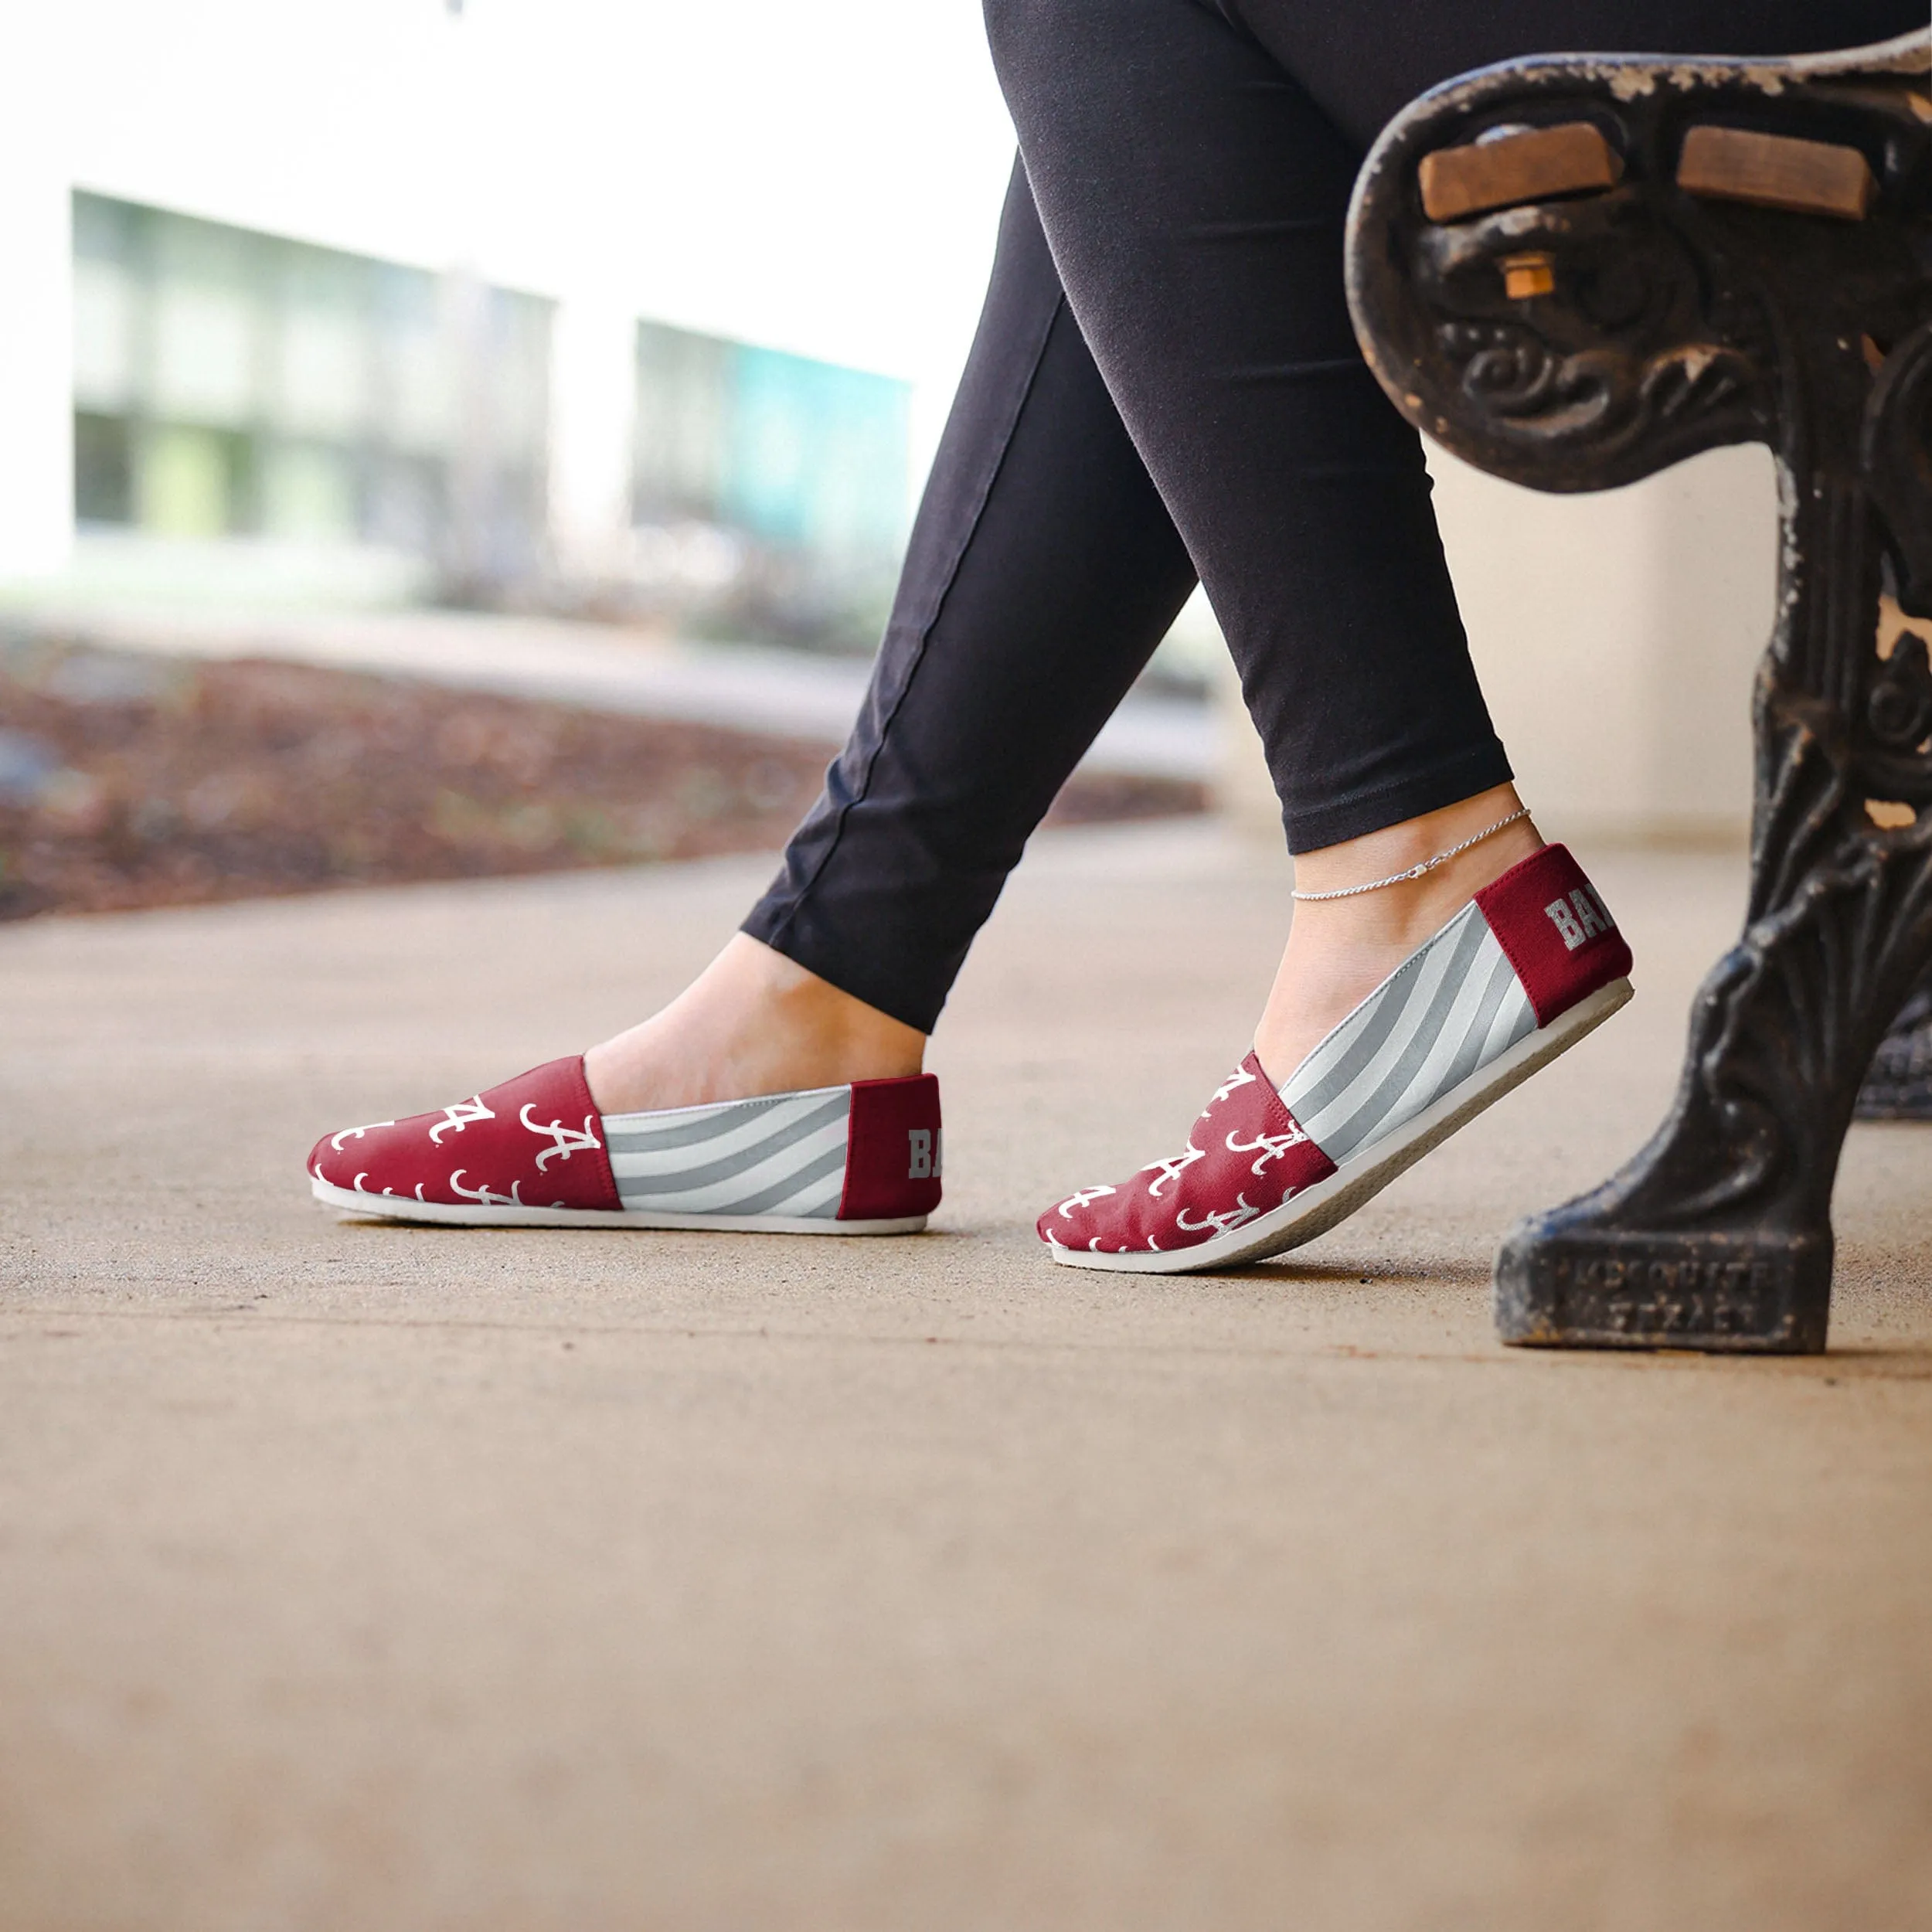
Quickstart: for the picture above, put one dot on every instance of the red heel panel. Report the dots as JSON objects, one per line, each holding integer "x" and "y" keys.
{"x": 892, "y": 1150}
{"x": 1555, "y": 929}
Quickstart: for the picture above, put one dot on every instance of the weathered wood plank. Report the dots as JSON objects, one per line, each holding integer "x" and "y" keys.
{"x": 1533, "y": 163}
{"x": 1775, "y": 170}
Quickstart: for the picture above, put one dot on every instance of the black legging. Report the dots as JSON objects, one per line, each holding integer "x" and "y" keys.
{"x": 1164, "y": 382}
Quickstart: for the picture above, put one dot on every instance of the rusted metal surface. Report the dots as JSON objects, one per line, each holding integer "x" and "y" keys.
{"x": 1667, "y": 323}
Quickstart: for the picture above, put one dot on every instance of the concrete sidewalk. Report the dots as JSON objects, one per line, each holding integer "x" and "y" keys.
{"x": 354, "y": 1576}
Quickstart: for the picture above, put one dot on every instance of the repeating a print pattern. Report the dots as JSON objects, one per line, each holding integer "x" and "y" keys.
{"x": 1452, "y": 1006}
{"x": 784, "y": 1155}
{"x": 1247, "y": 1154}
{"x": 1461, "y": 1021}
{"x": 532, "y": 1142}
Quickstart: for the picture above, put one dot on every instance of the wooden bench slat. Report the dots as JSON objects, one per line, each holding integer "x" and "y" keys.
{"x": 1777, "y": 171}
{"x": 1532, "y": 164}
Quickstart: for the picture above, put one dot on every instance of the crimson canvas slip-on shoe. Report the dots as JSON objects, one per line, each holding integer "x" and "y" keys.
{"x": 1533, "y": 964}
{"x": 535, "y": 1153}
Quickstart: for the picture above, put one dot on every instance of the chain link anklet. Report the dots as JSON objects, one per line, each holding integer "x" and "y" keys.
{"x": 1428, "y": 865}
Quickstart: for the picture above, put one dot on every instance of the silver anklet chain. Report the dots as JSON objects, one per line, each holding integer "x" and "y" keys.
{"x": 1428, "y": 865}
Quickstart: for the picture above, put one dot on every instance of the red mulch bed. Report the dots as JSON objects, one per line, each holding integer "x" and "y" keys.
{"x": 129, "y": 781}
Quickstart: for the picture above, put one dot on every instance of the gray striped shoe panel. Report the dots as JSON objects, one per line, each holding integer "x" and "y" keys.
{"x": 1451, "y": 1006}
{"x": 784, "y": 1153}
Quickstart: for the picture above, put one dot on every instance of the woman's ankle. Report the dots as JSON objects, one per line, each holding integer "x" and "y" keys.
{"x": 1340, "y": 950}
{"x": 752, "y": 1022}
{"x": 1493, "y": 827}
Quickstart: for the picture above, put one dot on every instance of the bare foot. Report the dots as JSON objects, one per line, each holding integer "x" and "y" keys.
{"x": 752, "y": 1022}
{"x": 1339, "y": 950}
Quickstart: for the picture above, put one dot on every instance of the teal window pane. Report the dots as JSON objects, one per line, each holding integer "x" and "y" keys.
{"x": 817, "y": 454}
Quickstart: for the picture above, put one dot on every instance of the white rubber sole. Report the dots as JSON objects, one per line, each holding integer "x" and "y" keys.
{"x": 395, "y": 1207}
{"x": 1316, "y": 1209}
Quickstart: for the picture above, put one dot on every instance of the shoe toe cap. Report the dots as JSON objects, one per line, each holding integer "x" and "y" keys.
{"x": 364, "y": 1159}
{"x": 534, "y": 1141}
{"x": 1075, "y": 1221}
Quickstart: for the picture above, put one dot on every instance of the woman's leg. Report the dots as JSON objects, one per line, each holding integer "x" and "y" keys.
{"x": 1193, "y": 186}
{"x": 1043, "y": 570}
{"x": 1197, "y": 193}
{"x": 1194, "y": 195}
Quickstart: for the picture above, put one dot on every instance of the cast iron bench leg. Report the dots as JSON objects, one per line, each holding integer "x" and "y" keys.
{"x": 1898, "y": 1084}
{"x": 1576, "y": 272}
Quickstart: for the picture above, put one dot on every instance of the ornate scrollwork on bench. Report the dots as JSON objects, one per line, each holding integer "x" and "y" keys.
{"x": 1574, "y": 272}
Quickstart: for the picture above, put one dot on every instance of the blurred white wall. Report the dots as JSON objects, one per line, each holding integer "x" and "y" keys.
{"x": 593, "y": 403}
{"x": 36, "y": 345}
{"x": 1616, "y": 635}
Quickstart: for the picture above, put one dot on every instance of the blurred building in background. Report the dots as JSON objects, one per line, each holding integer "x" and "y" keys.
{"x": 229, "y": 384}
{"x": 245, "y": 404}
{"x": 769, "y": 487}
{"x": 573, "y": 303}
